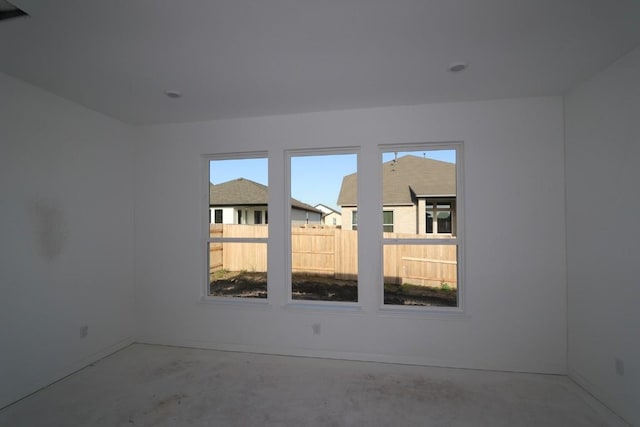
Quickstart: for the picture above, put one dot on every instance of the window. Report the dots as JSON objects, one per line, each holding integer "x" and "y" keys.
{"x": 440, "y": 216}
{"x": 421, "y": 244}
{"x": 387, "y": 221}
{"x": 217, "y": 216}
{"x": 323, "y": 259}
{"x": 237, "y": 252}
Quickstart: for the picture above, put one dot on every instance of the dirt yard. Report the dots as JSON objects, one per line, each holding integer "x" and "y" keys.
{"x": 321, "y": 288}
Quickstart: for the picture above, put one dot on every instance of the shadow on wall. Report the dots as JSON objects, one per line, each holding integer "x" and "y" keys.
{"x": 51, "y": 229}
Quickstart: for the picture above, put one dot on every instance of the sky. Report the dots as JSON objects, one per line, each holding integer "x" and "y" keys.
{"x": 314, "y": 179}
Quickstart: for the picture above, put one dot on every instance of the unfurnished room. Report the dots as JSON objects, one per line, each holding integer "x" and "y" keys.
{"x": 319, "y": 213}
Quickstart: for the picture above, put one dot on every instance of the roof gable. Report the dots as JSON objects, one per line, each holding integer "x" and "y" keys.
{"x": 244, "y": 192}
{"x": 405, "y": 179}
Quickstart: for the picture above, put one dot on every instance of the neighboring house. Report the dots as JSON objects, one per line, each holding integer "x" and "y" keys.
{"x": 418, "y": 195}
{"x": 242, "y": 201}
{"x": 330, "y": 216}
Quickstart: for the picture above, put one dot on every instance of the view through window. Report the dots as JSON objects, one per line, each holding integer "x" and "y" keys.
{"x": 420, "y": 233}
{"x": 238, "y": 230}
{"x": 324, "y": 253}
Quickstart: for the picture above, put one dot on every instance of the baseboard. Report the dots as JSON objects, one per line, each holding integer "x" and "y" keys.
{"x": 69, "y": 369}
{"x": 592, "y": 395}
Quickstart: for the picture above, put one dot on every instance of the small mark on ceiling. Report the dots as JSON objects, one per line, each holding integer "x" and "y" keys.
{"x": 173, "y": 94}
{"x": 457, "y": 67}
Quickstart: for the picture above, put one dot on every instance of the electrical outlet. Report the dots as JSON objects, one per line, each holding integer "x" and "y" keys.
{"x": 84, "y": 331}
{"x": 619, "y": 367}
{"x": 316, "y": 328}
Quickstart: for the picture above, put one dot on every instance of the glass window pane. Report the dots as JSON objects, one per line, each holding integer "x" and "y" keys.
{"x": 238, "y": 269}
{"x": 238, "y": 193}
{"x": 421, "y": 275}
{"x": 414, "y": 182}
{"x": 429, "y": 222}
{"x": 324, "y": 262}
{"x": 444, "y": 222}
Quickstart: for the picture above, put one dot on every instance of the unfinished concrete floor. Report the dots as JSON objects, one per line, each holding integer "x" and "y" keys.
{"x": 148, "y": 385}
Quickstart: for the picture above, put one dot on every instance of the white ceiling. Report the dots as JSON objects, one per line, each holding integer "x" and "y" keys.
{"x": 239, "y": 58}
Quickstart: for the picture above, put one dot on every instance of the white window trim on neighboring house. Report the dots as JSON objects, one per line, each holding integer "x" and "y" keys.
{"x": 435, "y": 206}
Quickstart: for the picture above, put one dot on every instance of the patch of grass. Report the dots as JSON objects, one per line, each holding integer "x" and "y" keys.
{"x": 445, "y": 287}
{"x": 219, "y": 273}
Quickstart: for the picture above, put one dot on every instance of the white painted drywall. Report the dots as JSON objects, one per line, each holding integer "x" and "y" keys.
{"x": 515, "y": 238}
{"x": 603, "y": 234}
{"x": 66, "y": 237}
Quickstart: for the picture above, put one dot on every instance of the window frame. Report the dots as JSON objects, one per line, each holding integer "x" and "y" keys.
{"x": 215, "y": 216}
{"x": 387, "y": 224}
{"x": 457, "y": 239}
{"x": 206, "y": 180}
{"x": 313, "y": 304}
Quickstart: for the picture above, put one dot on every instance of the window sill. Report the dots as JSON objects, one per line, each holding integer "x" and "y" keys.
{"x": 345, "y": 307}
{"x": 236, "y": 302}
{"x": 452, "y": 313}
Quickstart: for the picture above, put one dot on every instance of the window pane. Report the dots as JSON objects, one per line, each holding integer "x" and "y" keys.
{"x": 218, "y": 216}
{"x": 417, "y": 184}
{"x": 421, "y": 275}
{"x": 324, "y": 264}
{"x": 238, "y": 269}
{"x": 238, "y": 194}
{"x": 444, "y": 222}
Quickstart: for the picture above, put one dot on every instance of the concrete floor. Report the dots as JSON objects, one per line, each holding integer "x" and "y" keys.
{"x": 148, "y": 385}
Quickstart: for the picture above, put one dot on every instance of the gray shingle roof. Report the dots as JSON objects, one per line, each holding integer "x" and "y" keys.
{"x": 244, "y": 192}
{"x": 405, "y": 179}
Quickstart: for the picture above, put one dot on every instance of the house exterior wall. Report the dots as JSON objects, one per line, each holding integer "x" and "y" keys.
{"x": 333, "y": 218}
{"x": 347, "y": 216}
{"x": 230, "y": 214}
{"x": 404, "y": 218}
{"x": 227, "y": 215}
{"x": 301, "y": 217}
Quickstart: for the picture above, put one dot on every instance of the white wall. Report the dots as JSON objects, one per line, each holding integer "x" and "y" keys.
{"x": 603, "y": 234}
{"x": 66, "y": 237}
{"x": 515, "y": 315}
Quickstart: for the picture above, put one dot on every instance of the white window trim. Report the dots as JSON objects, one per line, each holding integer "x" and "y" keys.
{"x": 458, "y": 240}
{"x": 307, "y": 304}
{"x": 204, "y": 296}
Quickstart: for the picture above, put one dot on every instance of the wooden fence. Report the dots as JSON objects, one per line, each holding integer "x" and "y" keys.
{"x": 334, "y": 252}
